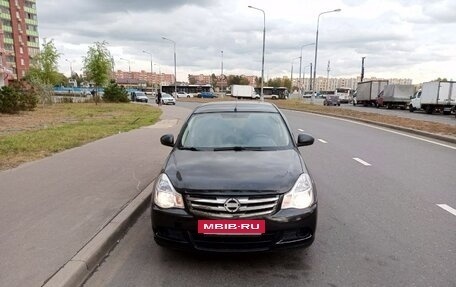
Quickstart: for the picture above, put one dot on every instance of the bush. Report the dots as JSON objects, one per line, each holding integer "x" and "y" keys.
{"x": 18, "y": 96}
{"x": 115, "y": 94}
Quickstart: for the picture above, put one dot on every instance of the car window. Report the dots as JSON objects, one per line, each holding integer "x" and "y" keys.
{"x": 236, "y": 129}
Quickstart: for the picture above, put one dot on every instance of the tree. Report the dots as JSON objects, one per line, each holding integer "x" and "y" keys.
{"x": 237, "y": 80}
{"x": 44, "y": 65}
{"x": 98, "y": 65}
{"x": 213, "y": 80}
{"x": 115, "y": 93}
{"x": 191, "y": 80}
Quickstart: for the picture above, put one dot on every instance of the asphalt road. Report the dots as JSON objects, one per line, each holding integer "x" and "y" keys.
{"x": 379, "y": 222}
{"x": 417, "y": 115}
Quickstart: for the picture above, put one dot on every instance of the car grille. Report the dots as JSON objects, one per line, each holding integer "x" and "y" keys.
{"x": 249, "y": 206}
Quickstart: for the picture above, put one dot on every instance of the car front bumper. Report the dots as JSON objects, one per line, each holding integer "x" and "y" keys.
{"x": 177, "y": 228}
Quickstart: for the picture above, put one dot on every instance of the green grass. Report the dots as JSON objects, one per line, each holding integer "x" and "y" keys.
{"x": 77, "y": 124}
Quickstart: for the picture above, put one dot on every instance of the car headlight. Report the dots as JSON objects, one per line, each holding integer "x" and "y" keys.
{"x": 301, "y": 195}
{"x": 165, "y": 194}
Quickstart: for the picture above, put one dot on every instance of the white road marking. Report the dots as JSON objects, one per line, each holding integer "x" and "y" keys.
{"x": 301, "y": 130}
{"x": 447, "y": 208}
{"x": 383, "y": 129}
{"x": 362, "y": 161}
{"x": 322, "y": 141}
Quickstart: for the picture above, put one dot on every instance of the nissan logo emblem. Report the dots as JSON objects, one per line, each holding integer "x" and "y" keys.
{"x": 232, "y": 205}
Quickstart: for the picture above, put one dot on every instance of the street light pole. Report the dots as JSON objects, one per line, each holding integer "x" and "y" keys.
{"x": 175, "y": 75}
{"x": 300, "y": 64}
{"x": 262, "y": 60}
{"x": 292, "y": 60}
{"x": 151, "y": 68}
{"x": 221, "y": 74}
{"x": 129, "y": 69}
{"x": 316, "y": 51}
{"x": 71, "y": 67}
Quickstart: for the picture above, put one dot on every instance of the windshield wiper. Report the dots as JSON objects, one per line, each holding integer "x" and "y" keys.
{"x": 189, "y": 148}
{"x": 240, "y": 148}
{"x": 235, "y": 148}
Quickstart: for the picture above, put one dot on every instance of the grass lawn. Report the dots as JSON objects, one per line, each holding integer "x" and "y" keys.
{"x": 32, "y": 135}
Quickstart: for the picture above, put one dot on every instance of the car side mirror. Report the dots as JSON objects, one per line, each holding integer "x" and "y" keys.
{"x": 305, "y": 139}
{"x": 167, "y": 140}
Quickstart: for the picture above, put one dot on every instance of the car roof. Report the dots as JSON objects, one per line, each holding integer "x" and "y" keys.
{"x": 236, "y": 107}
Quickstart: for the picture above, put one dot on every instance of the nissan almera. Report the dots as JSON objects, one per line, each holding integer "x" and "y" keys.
{"x": 234, "y": 181}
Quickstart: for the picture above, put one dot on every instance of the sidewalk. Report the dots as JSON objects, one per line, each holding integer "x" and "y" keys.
{"x": 49, "y": 209}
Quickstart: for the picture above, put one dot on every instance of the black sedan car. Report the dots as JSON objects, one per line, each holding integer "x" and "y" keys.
{"x": 234, "y": 181}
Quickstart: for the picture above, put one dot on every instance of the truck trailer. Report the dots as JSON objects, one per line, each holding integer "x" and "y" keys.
{"x": 395, "y": 96}
{"x": 436, "y": 95}
{"x": 367, "y": 92}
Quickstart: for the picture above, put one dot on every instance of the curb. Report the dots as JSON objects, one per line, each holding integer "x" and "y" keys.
{"x": 404, "y": 129}
{"x": 78, "y": 268}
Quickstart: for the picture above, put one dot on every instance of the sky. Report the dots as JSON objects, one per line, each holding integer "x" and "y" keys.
{"x": 413, "y": 39}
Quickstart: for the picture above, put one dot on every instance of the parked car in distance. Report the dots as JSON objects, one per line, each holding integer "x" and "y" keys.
{"x": 139, "y": 97}
{"x": 234, "y": 181}
{"x": 167, "y": 99}
{"x": 206, "y": 95}
{"x": 183, "y": 95}
{"x": 331, "y": 100}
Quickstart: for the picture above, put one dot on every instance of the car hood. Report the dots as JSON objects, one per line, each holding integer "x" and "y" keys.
{"x": 249, "y": 171}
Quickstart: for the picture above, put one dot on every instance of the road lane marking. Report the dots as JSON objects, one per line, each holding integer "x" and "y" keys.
{"x": 362, "y": 161}
{"x": 447, "y": 208}
{"x": 301, "y": 130}
{"x": 322, "y": 141}
{"x": 382, "y": 129}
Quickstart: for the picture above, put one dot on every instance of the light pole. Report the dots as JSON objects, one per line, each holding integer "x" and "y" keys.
{"x": 300, "y": 64}
{"x": 292, "y": 60}
{"x": 316, "y": 51}
{"x": 221, "y": 74}
{"x": 175, "y": 76}
{"x": 262, "y": 60}
{"x": 160, "y": 77}
{"x": 71, "y": 67}
{"x": 129, "y": 69}
{"x": 151, "y": 67}
{"x": 304, "y": 77}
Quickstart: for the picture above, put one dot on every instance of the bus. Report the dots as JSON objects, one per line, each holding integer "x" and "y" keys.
{"x": 345, "y": 95}
{"x": 273, "y": 92}
{"x": 192, "y": 90}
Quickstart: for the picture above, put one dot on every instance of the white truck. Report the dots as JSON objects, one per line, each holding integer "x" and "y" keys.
{"x": 367, "y": 92}
{"x": 395, "y": 96}
{"x": 436, "y": 95}
{"x": 243, "y": 91}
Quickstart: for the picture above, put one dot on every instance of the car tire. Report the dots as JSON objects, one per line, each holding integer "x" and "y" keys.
{"x": 411, "y": 109}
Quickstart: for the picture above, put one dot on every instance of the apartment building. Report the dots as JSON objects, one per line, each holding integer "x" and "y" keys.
{"x": 143, "y": 77}
{"x": 19, "y": 41}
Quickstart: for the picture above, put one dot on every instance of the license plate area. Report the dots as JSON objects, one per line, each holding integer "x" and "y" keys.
{"x": 231, "y": 227}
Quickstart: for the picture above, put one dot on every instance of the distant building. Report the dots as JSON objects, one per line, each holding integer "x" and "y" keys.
{"x": 19, "y": 41}
{"x": 143, "y": 78}
{"x": 325, "y": 84}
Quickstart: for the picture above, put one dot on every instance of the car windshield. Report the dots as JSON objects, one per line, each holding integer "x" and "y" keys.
{"x": 236, "y": 131}
{"x": 166, "y": 96}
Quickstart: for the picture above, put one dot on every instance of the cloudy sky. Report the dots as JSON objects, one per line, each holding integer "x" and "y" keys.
{"x": 399, "y": 38}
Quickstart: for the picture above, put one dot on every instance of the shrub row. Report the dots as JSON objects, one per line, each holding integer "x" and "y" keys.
{"x": 18, "y": 96}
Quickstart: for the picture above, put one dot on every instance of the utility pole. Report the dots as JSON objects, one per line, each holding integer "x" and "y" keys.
{"x": 327, "y": 75}
{"x": 362, "y": 68}
{"x": 310, "y": 79}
